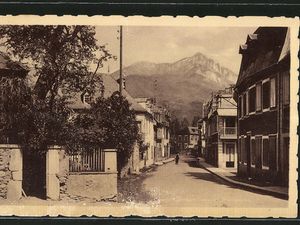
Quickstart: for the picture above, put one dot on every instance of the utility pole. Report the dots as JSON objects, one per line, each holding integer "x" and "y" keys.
{"x": 121, "y": 75}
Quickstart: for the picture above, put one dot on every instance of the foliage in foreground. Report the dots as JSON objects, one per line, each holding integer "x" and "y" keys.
{"x": 110, "y": 123}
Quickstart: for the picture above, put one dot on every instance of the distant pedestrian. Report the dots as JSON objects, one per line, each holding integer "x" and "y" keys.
{"x": 177, "y": 158}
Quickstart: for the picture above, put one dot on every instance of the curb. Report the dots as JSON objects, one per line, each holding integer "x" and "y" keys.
{"x": 248, "y": 187}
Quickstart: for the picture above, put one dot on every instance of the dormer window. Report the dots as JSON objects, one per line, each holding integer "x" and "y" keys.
{"x": 87, "y": 98}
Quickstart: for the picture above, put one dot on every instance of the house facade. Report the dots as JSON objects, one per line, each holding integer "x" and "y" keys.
{"x": 187, "y": 139}
{"x": 156, "y": 132}
{"x": 220, "y": 129}
{"x": 262, "y": 92}
{"x": 201, "y": 142}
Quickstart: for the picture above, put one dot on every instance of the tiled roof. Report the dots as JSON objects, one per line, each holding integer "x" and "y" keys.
{"x": 263, "y": 50}
{"x": 7, "y": 64}
{"x": 110, "y": 86}
{"x": 193, "y": 130}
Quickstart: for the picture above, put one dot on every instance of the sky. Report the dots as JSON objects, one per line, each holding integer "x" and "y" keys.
{"x": 169, "y": 44}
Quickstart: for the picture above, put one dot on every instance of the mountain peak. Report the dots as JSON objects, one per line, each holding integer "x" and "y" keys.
{"x": 182, "y": 85}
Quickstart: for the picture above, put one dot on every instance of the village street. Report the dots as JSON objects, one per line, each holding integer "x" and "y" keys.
{"x": 186, "y": 185}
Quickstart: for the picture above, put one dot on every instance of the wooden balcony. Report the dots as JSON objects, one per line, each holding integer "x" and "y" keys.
{"x": 228, "y": 133}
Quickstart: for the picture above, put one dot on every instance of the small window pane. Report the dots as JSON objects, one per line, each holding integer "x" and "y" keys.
{"x": 273, "y": 153}
{"x": 252, "y": 98}
{"x": 273, "y": 92}
{"x": 244, "y": 104}
{"x": 258, "y": 97}
{"x": 265, "y": 160}
{"x": 258, "y": 143}
{"x": 266, "y": 95}
{"x": 286, "y": 88}
{"x": 253, "y": 152}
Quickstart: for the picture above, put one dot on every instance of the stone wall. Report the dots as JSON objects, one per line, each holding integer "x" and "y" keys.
{"x": 90, "y": 186}
{"x": 5, "y": 173}
{"x": 10, "y": 172}
{"x": 63, "y": 174}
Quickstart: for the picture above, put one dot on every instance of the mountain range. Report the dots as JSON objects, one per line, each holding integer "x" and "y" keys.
{"x": 182, "y": 86}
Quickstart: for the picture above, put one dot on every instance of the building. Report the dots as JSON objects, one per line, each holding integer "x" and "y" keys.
{"x": 159, "y": 137}
{"x": 79, "y": 104}
{"x": 201, "y": 142}
{"x": 146, "y": 127}
{"x": 187, "y": 139}
{"x": 262, "y": 92}
{"x": 220, "y": 129}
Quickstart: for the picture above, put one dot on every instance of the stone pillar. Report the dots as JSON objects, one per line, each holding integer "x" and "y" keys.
{"x": 14, "y": 187}
{"x": 110, "y": 156}
{"x": 52, "y": 170}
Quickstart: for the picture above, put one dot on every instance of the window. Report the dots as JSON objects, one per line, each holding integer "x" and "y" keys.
{"x": 186, "y": 138}
{"x": 244, "y": 104}
{"x": 266, "y": 95}
{"x": 229, "y": 122}
{"x": 243, "y": 150}
{"x": 240, "y": 107}
{"x": 258, "y": 144}
{"x": 252, "y": 98}
{"x": 273, "y": 153}
{"x": 265, "y": 155}
{"x": 286, "y": 88}
{"x": 247, "y": 103}
{"x": 253, "y": 152}
{"x": 139, "y": 124}
{"x": 179, "y": 138}
{"x": 258, "y": 97}
{"x": 273, "y": 92}
{"x": 239, "y": 150}
{"x": 87, "y": 98}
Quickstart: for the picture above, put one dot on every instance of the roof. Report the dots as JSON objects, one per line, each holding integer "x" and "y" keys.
{"x": 227, "y": 112}
{"x": 263, "y": 50}
{"x": 6, "y": 64}
{"x": 110, "y": 86}
{"x": 193, "y": 130}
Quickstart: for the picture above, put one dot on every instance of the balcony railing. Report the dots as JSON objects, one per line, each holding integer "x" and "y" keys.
{"x": 228, "y": 132}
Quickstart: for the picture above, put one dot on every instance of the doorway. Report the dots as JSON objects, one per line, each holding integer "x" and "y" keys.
{"x": 229, "y": 154}
{"x": 34, "y": 174}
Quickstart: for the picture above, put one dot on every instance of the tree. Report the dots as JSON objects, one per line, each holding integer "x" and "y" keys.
{"x": 110, "y": 123}
{"x": 61, "y": 55}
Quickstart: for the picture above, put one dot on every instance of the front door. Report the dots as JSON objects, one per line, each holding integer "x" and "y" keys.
{"x": 229, "y": 151}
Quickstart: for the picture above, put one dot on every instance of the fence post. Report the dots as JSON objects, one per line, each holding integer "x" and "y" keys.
{"x": 110, "y": 160}
{"x": 52, "y": 170}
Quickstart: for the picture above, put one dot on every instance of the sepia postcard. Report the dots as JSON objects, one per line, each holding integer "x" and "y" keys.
{"x": 161, "y": 116}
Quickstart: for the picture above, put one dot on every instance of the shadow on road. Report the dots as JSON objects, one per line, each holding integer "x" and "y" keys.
{"x": 131, "y": 189}
{"x": 207, "y": 177}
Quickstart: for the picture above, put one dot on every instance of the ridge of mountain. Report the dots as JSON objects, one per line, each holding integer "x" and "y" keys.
{"x": 182, "y": 85}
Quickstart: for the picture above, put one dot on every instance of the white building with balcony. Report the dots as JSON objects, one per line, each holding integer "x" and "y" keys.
{"x": 220, "y": 114}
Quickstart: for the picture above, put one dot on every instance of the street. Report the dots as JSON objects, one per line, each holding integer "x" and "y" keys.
{"x": 186, "y": 185}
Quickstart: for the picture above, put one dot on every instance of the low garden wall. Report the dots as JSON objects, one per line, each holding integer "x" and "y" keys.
{"x": 91, "y": 186}
{"x": 10, "y": 172}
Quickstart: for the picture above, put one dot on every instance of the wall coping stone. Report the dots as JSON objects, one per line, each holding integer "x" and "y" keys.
{"x": 110, "y": 150}
{"x": 91, "y": 173}
{"x": 12, "y": 146}
{"x": 55, "y": 147}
